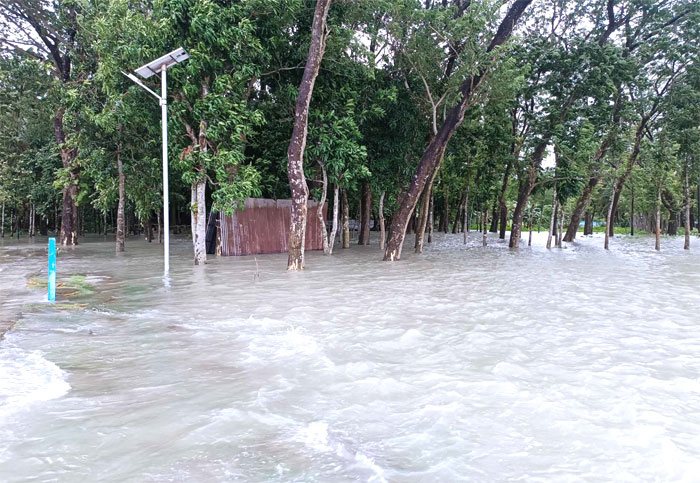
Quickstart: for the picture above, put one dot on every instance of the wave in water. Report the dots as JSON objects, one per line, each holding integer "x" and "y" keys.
{"x": 25, "y": 378}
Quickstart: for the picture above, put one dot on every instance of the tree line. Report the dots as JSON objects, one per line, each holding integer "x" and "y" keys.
{"x": 419, "y": 115}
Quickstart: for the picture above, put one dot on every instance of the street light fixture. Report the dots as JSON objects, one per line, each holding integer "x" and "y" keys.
{"x": 161, "y": 65}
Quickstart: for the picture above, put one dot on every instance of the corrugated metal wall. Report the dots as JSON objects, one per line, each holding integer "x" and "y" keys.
{"x": 262, "y": 226}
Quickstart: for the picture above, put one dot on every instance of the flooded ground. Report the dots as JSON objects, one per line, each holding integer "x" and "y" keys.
{"x": 466, "y": 363}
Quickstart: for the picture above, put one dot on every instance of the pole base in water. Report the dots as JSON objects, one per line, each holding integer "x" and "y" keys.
{"x": 52, "y": 269}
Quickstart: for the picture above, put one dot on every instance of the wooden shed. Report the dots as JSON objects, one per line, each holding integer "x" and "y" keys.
{"x": 262, "y": 226}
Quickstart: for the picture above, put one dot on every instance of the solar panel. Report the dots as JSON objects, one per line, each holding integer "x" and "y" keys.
{"x": 154, "y": 67}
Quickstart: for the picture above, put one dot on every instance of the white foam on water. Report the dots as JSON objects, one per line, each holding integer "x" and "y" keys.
{"x": 26, "y": 377}
{"x": 315, "y": 436}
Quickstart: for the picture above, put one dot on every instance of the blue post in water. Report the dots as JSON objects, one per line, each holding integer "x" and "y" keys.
{"x": 52, "y": 269}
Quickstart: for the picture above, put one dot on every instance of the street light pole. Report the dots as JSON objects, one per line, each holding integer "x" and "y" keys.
{"x": 166, "y": 205}
{"x": 160, "y": 65}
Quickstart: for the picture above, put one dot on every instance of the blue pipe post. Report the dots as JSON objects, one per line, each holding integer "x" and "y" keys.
{"x": 52, "y": 269}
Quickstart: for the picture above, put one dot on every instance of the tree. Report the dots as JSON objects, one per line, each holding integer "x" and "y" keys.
{"x": 297, "y": 144}
{"x": 433, "y": 155}
{"x": 51, "y": 31}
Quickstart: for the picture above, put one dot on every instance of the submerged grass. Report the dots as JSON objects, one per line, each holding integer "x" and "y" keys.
{"x": 76, "y": 285}
{"x": 56, "y": 306}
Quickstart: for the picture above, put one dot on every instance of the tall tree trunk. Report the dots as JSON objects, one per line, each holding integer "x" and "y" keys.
{"x": 446, "y": 212}
{"x": 588, "y": 224}
{"x": 529, "y": 239}
{"x": 657, "y": 244}
{"x": 423, "y": 205}
{"x": 608, "y": 220}
{"x": 346, "y": 218}
{"x": 458, "y": 216}
{"x": 148, "y": 228}
{"x": 297, "y": 143}
{"x": 18, "y": 218}
{"x": 198, "y": 203}
{"x": 122, "y": 203}
{"x": 382, "y": 226}
{"x": 495, "y": 217}
{"x": 32, "y": 221}
{"x": 434, "y": 153}
{"x": 581, "y": 205}
{"x": 503, "y": 209}
{"x": 561, "y": 225}
{"x": 485, "y": 224}
{"x": 424, "y": 215}
{"x": 698, "y": 219}
{"x": 319, "y": 212}
{"x": 199, "y": 222}
{"x": 466, "y": 214}
{"x": 365, "y": 214}
{"x": 632, "y": 212}
{"x": 334, "y": 226}
{"x": 69, "y": 229}
{"x": 2, "y": 225}
{"x": 686, "y": 200}
{"x": 552, "y": 221}
{"x": 431, "y": 216}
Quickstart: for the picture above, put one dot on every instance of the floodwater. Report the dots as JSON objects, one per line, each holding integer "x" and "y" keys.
{"x": 465, "y": 363}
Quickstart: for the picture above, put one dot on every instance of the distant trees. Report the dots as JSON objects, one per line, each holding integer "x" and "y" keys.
{"x": 52, "y": 33}
{"x": 422, "y": 116}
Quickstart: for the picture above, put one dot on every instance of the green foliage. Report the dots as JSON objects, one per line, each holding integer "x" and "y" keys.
{"x": 390, "y": 72}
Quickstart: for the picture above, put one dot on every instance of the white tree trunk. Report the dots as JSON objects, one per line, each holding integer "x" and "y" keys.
{"x": 529, "y": 240}
{"x": 319, "y": 210}
{"x": 346, "y": 219}
{"x": 31, "y": 220}
{"x": 382, "y": 226}
{"x": 657, "y": 245}
{"x": 561, "y": 225}
{"x": 334, "y": 226}
{"x": 608, "y": 219}
{"x": 554, "y": 214}
{"x": 199, "y": 222}
{"x": 485, "y": 227}
{"x": 466, "y": 215}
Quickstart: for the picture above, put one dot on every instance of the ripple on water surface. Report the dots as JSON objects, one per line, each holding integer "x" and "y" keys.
{"x": 465, "y": 363}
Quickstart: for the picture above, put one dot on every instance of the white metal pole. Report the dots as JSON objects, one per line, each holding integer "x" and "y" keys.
{"x": 166, "y": 214}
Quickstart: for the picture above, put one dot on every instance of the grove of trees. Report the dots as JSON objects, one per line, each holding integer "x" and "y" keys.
{"x": 421, "y": 115}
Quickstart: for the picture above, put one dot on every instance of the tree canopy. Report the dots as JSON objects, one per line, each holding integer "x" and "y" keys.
{"x": 449, "y": 109}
